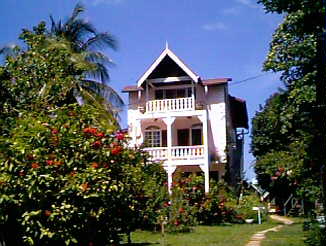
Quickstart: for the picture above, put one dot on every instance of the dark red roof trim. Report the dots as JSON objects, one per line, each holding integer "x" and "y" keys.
{"x": 215, "y": 81}
{"x": 131, "y": 88}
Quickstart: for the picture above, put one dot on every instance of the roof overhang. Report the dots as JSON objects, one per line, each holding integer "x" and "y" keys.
{"x": 131, "y": 88}
{"x": 177, "y": 60}
{"x": 216, "y": 81}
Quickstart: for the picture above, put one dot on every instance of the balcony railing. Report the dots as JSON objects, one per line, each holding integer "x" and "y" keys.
{"x": 177, "y": 152}
{"x": 165, "y": 105}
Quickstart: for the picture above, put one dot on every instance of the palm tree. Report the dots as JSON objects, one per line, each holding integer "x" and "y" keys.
{"x": 88, "y": 42}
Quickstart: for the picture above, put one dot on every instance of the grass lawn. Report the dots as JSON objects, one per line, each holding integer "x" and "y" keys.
{"x": 289, "y": 235}
{"x": 233, "y": 235}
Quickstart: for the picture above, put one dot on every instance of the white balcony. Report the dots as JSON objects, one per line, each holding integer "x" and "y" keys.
{"x": 177, "y": 153}
{"x": 168, "y": 105}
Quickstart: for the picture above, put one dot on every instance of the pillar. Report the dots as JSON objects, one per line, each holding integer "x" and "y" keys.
{"x": 205, "y": 168}
{"x": 170, "y": 168}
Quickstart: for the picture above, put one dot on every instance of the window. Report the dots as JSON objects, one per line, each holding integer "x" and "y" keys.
{"x": 173, "y": 93}
{"x": 155, "y": 137}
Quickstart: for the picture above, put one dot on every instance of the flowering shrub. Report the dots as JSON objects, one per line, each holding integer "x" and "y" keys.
{"x": 63, "y": 180}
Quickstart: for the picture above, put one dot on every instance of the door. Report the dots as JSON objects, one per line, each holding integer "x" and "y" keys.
{"x": 196, "y": 135}
{"x": 183, "y": 137}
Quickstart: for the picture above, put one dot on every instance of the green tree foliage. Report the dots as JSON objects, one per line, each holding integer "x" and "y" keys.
{"x": 85, "y": 40}
{"x": 287, "y": 133}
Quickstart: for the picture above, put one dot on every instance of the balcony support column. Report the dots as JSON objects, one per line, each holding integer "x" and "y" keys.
{"x": 169, "y": 121}
{"x": 205, "y": 168}
{"x": 136, "y": 132}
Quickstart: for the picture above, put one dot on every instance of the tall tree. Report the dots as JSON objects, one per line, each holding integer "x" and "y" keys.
{"x": 298, "y": 52}
{"x": 86, "y": 40}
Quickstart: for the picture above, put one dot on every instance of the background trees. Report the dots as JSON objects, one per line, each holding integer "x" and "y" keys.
{"x": 294, "y": 131}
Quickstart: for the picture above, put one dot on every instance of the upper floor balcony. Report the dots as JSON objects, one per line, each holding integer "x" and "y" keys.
{"x": 170, "y": 105}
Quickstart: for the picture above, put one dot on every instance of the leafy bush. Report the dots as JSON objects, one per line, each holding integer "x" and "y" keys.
{"x": 64, "y": 180}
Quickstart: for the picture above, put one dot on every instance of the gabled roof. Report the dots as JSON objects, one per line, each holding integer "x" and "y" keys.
{"x": 168, "y": 53}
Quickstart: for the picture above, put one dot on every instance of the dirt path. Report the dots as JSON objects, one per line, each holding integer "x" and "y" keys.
{"x": 259, "y": 236}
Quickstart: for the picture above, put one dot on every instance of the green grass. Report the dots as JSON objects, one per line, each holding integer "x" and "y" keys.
{"x": 289, "y": 235}
{"x": 233, "y": 235}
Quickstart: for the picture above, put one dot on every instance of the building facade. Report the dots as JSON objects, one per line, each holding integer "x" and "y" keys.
{"x": 185, "y": 122}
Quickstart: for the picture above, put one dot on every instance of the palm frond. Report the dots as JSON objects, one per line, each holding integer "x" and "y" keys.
{"x": 100, "y": 41}
{"x": 99, "y": 57}
{"x": 106, "y": 115}
{"x": 98, "y": 72}
{"x": 105, "y": 91}
{"x": 79, "y": 8}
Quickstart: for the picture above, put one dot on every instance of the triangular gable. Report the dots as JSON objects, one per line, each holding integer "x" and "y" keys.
{"x": 168, "y": 52}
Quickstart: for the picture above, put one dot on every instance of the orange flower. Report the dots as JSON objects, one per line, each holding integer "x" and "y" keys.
{"x": 57, "y": 163}
{"x": 47, "y": 213}
{"x": 49, "y": 162}
{"x": 95, "y": 165}
{"x": 84, "y": 186}
{"x": 35, "y": 165}
{"x": 73, "y": 173}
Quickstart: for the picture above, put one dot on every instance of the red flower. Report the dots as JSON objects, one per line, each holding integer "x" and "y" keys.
{"x": 47, "y": 213}
{"x": 106, "y": 165}
{"x": 99, "y": 134}
{"x": 90, "y": 130}
{"x": 54, "y": 131}
{"x": 166, "y": 204}
{"x": 95, "y": 165}
{"x": 278, "y": 173}
{"x": 120, "y": 136}
{"x": 35, "y": 165}
{"x": 116, "y": 150}
{"x": 49, "y": 162}
{"x": 96, "y": 144}
{"x": 181, "y": 210}
{"x": 177, "y": 223}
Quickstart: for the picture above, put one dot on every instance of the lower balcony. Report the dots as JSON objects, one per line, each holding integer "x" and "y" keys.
{"x": 186, "y": 154}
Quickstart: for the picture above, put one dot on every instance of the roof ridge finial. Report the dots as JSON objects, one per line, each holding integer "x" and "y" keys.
{"x": 166, "y": 45}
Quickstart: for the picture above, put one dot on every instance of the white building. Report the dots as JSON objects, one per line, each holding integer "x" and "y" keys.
{"x": 186, "y": 122}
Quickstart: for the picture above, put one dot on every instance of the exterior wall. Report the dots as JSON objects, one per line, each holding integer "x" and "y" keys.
{"x": 216, "y": 108}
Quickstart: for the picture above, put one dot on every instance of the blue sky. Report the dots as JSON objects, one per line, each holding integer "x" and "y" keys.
{"x": 216, "y": 38}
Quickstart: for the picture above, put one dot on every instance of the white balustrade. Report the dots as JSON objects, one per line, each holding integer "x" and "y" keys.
{"x": 158, "y": 153}
{"x": 187, "y": 152}
{"x": 177, "y": 152}
{"x": 165, "y": 105}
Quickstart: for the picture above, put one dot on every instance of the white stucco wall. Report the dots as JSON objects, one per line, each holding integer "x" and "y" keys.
{"x": 216, "y": 108}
